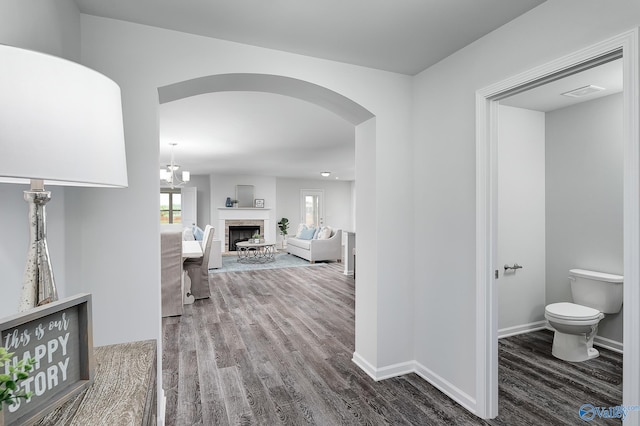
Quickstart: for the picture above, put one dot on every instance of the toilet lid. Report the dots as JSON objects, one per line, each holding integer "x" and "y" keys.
{"x": 565, "y": 310}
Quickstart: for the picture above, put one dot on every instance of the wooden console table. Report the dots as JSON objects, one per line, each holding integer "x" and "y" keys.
{"x": 123, "y": 392}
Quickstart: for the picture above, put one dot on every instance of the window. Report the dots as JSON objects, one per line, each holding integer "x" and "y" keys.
{"x": 312, "y": 207}
{"x": 170, "y": 206}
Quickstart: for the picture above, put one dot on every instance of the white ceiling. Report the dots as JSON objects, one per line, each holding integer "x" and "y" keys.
{"x": 404, "y": 36}
{"x": 290, "y": 137}
{"x": 256, "y": 133}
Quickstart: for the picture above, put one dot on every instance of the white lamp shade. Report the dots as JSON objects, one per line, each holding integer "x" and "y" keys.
{"x": 59, "y": 121}
{"x": 164, "y": 174}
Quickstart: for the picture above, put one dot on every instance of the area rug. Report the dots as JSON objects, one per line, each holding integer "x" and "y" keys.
{"x": 283, "y": 260}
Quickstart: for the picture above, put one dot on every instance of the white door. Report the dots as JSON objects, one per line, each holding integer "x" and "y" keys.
{"x": 189, "y": 205}
{"x": 521, "y": 218}
{"x": 312, "y": 207}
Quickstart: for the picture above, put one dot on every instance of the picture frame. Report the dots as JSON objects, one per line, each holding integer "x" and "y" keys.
{"x": 59, "y": 335}
{"x": 258, "y": 203}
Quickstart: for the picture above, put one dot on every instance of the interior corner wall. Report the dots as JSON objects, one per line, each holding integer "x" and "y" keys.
{"x": 141, "y": 59}
{"x": 444, "y": 166}
{"x": 366, "y": 292}
{"x": 53, "y": 28}
{"x": 585, "y": 197}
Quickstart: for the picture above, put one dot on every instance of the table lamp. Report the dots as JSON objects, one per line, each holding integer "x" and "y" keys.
{"x": 60, "y": 124}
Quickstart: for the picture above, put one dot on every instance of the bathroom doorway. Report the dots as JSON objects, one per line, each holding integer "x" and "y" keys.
{"x": 560, "y": 203}
{"x": 489, "y": 270}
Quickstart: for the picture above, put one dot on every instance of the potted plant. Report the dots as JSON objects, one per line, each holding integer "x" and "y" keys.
{"x": 9, "y": 392}
{"x": 284, "y": 228}
{"x": 256, "y": 238}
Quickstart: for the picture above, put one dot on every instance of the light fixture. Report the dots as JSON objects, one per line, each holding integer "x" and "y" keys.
{"x": 583, "y": 91}
{"x": 61, "y": 125}
{"x": 325, "y": 174}
{"x": 169, "y": 173}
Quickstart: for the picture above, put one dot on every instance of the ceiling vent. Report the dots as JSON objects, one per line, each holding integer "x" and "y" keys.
{"x": 583, "y": 91}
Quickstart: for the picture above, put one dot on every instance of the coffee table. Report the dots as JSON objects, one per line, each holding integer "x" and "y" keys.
{"x": 256, "y": 252}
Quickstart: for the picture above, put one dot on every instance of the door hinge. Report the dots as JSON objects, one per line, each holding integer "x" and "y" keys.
{"x": 496, "y": 275}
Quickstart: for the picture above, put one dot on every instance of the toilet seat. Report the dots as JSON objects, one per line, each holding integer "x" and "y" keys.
{"x": 572, "y": 312}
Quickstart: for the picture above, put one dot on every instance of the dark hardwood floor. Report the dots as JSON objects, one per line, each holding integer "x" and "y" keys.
{"x": 275, "y": 346}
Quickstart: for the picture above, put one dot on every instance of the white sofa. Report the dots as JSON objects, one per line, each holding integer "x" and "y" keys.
{"x": 317, "y": 250}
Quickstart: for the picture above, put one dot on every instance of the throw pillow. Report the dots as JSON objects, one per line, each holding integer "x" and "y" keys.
{"x": 307, "y": 233}
{"x": 198, "y": 233}
{"x": 300, "y": 228}
{"x": 315, "y": 234}
{"x": 187, "y": 234}
{"x": 325, "y": 233}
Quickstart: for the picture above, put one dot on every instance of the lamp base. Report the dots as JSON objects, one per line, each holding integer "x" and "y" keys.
{"x": 38, "y": 286}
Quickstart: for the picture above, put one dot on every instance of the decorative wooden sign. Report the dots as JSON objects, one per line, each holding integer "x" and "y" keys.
{"x": 59, "y": 337}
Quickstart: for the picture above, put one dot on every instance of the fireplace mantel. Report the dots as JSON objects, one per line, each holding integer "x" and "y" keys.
{"x": 241, "y": 213}
{"x": 242, "y": 208}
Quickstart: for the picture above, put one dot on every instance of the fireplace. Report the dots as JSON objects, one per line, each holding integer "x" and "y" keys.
{"x": 241, "y": 233}
{"x": 256, "y": 218}
{"x": 243, "y": 230}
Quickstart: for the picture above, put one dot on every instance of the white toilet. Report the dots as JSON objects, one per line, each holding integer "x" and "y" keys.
{"x": 576, "y": 324}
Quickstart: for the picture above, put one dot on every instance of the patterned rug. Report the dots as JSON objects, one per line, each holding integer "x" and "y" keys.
{"x": 283, "y": 260}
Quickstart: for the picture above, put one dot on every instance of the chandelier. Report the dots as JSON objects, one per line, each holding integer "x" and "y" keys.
{"x": 170, "y": 173}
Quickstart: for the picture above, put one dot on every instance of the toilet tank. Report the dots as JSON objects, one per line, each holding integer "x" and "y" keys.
{"x": 597, "y": 290}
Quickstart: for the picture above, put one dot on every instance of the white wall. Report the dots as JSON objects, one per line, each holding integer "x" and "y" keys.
{"x": 584, "y": 197}
{"x": 444, "y": 168}
{"x": 337, "y": 199}
{"x": 52, "y": 28}
{"x": 521, "y": 219}
{"x": 141, "y": 59}
{"x": 223, "y": 186}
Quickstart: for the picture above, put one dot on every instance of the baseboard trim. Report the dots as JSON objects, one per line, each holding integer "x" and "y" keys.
{"x": 383, "y": 373}
{"x": 447, "y": 388}
{"x": 522, "y": 329}
{"x": 396, "y": 370}
{"x": 364, "y": 366}
{"x": 403, "y": 368}
{"x": 444, "y": 386}
{"x": 612, "y": 345}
